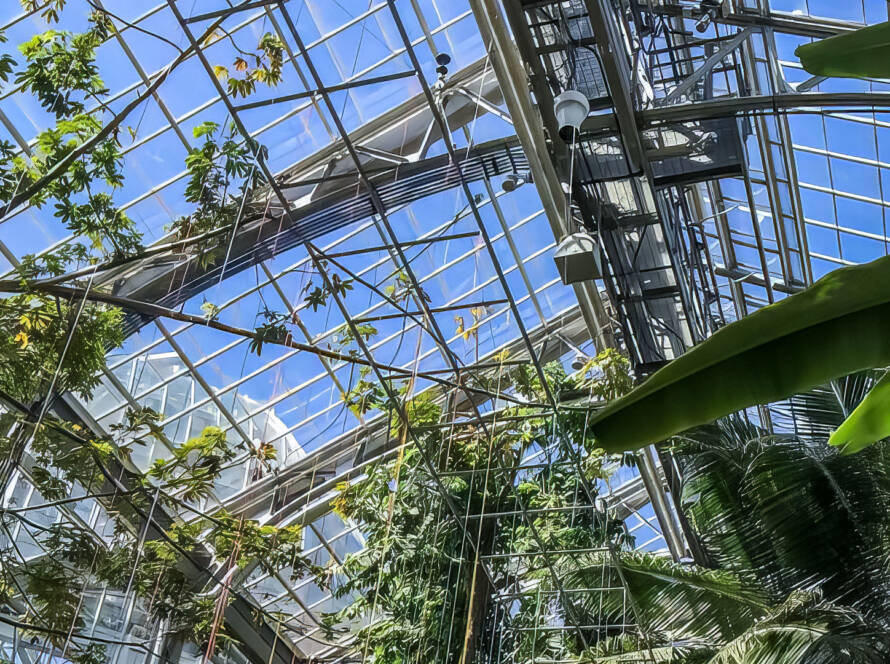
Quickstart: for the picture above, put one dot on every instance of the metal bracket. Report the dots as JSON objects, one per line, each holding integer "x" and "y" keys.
{"x": 686, "y": 86}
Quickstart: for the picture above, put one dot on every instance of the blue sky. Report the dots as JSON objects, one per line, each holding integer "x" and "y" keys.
{"x": 849, "y": 153}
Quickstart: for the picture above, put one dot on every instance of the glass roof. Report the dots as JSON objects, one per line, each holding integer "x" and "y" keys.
{"x": 812, "y": 199}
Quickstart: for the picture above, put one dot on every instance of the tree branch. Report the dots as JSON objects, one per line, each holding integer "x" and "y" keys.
{"x": 154, "y": 310}
{"x": 62, "y": 166}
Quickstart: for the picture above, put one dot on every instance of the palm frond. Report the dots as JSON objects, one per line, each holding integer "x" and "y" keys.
{"x": 815, "y": 414}
{"x": 791, "y": 513}
{"x": 678, "y": 601}
{"x": 650, "y": 649}
{"x": 807, "y": 630}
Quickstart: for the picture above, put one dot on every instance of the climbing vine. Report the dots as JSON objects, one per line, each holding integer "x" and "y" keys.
{"x": 166, "y": 571}
{"x": 262, "y": 65}
{"x": 163, "y": 538}
{"x": 222, "y": 172}
{"x": 417, "y": 590}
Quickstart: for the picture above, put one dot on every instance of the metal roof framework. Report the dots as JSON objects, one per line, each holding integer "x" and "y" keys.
{"x": 731, "y": 244}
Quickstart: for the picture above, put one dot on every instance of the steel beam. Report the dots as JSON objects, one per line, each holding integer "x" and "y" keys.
{"x": 686, "y": 86}
{"x": 529, "y": 127}
{"x": 614, "y": 60}
{"x": 321, "y": 270}
{"x": 797, "y": 24}
{"x": 725, "y": 107}
{"x": 611, "y": 48}
{"x": 228, "y": 11}
{"x": 258, "y": 641}
{"x": 375, "y": 80}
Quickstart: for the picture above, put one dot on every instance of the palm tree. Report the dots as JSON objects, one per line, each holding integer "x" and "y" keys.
{"x": 800, "y": 536}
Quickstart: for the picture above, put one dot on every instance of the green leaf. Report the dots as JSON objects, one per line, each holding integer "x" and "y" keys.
{"x": 834, "y": 328}
{"x": 804, "y": 630}
{"x": 210, "y": 310}
{"x": 767, "y": 504}
{"x": 869, "y": 423}
{"x": 707, "y": 603}
{"x": 204, "y": 129}
{"x": 863, "y": 53}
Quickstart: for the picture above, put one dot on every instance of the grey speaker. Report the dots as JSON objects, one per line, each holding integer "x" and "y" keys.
{"x": 577, "y": 258}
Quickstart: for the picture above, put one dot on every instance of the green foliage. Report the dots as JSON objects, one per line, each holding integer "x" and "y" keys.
{"x": 244, "y": 541}
{"x": 317, "y": 296}
{"x": 53, "y": 263}
{"x": 175, "y": 596}
{"x": 195, "y": 465}
{"x": 33, "y": 333}
{"x": 47, "y": 340}
{"x": 607, "y": 375}
{"x": 860, "y": 53}
{"x": 268, "y": 59}
{"x": 420, "y": 411}
{"x": 61, "y": 71}
{"x": 166, "y": 572}
{"x": 633, "y": 648}
{"x": 7, "y": 62}
{"x": 51, "y": 8}
{"x": 54, "y": 592}
{"x": 799, "y": 535}
{"x": 221, "y": 174}
{"x": 835, "y": 327}
{"x": 210, "y": 310}
{"x": 401, "y": 288}
{"x": 397, "y": 528}
{"x": 806, "y": 630}
{"x": 90, "y": 653}
{"x": 679, "y": 600}
{"x": 692, "y": 615}
{"x": 766, "y": 506}
{"x": 344, "y": 337}
{"x": 274, "y": 331}
{"x": 868, "y": 423}
{"x": 364, "y": 395}
{"x": 59, "y": 466}
{"x": 417, "y": 571}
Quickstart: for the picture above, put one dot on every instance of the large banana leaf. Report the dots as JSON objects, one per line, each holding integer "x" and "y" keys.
{"x": 869, "y": 423}
{"x": 863, "y": 53}
{"x": 836, "y": 327}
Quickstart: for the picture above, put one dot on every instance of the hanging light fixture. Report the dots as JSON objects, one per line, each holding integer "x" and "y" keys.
{"x": 579, "y": 361}
{"x": 571, "y": 108}
{"x": 709, "y": 9}
{"x": 577, "y": 258}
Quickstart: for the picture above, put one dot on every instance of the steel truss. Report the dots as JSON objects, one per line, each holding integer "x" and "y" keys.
{"x": 664, "y": 285}
{"x": 390, "y": 238}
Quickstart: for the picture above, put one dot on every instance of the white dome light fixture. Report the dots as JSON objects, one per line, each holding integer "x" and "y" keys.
{"x": 710, "y": 9}
{"x": 571, "y": 109}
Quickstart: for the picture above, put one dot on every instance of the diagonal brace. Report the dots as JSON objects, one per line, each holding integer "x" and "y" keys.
{"x": 686, "y": 86}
